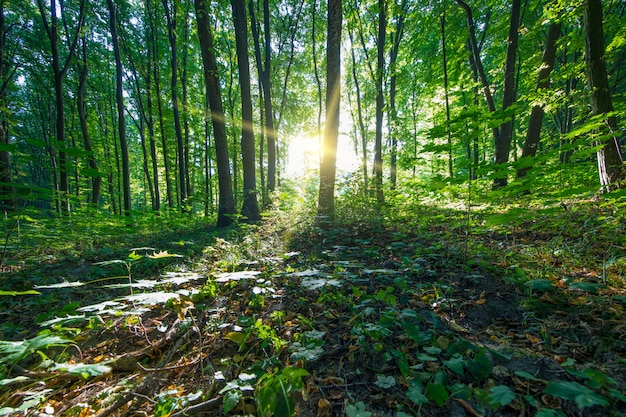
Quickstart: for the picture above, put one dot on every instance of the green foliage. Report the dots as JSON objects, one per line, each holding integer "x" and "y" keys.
{"x": 273, "y": 391}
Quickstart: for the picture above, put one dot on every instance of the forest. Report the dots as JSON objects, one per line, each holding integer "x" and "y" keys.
{"x": 315, "y": 208}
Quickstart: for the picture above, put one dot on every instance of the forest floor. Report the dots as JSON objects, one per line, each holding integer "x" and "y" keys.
{"x": 432, "y": 314}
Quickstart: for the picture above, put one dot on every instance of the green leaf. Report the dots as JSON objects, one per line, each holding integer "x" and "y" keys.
{"x": 437, "y": 393}
{"x": 455, "y": 364}
{"x": 524, "y": 374}
{"x": 591, "y": 399}
{"x": 415, "y": 394}
{"x": 502, "y": 395}
{"x": 357, "y": 410}
{"x": 480, "y": 366}
{"x": 565, "y": 389}
{"x": 540, "y": 285}
{"x": 14, "y": 293}
{"x": 385, "y": 382}
{"x": 231, "y": 399}
{"x": 83, "y": 369}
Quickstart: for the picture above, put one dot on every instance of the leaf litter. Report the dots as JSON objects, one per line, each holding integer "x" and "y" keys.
{"x": 386, "y": 322}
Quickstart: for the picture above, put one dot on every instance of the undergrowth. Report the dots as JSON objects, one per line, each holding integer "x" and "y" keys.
{"x": 405, "y": 309}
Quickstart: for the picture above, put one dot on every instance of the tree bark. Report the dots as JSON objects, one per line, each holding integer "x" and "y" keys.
{"x": 119, "y": 98}
{"x": 393, "y": 112}
{"x": 154, "y": 43}
{"x": 361, "y": 123}
{"x": 250, "y": 207}
{"x": 533, "y": 134}
{"x": 610, "y": 163}
{"x": 60, "y": 70}
{"x": 326, "y": 201}
{"x": 502, "y": 144}
{"x": 7, "y": 75}
{"x": 380, "y": 70}
{"x": 171, "y": 16}
{"x": 96, "y": 179}
{"x": 226, "y": 200}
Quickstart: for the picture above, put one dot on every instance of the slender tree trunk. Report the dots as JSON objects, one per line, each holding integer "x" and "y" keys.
{"x": 185, "y": 102}
{"x": 120, "y": 107}
{"x": 326, "y": 202}
{"x": 393, "y": 112}
{"x": 270, "y": 133}
{"x": 446, "y": 92}
{"x": 59, "y": 70}
{"x": 318, "y": 81}
{"x": 380, "y": 70}
{"x": 361, "y": 123}
{"x": 502, "y": 144}
{"x": 96, "y": 179}
{"x": 610, "y": 164}
{"x": 478, "y": 64}
{"x": 543, "y": 83}
{"x": 250, "y": 208}
{"x": 171, "y": 16}
{"x": 226, "y": 201}
{"x": 156, "y": 202}
{"x": 7, "y": 74}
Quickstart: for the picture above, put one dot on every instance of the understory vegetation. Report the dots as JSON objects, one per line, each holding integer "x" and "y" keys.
{"x": 415, "y": 309}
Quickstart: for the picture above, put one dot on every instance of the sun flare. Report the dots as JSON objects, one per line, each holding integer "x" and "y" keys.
{"x": 303, "y": 155}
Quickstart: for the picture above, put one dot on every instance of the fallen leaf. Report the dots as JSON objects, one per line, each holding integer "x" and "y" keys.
{"x": 324, "y": 408}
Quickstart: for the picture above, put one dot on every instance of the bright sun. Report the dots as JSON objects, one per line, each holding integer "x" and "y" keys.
{"x": 303, "y": 155}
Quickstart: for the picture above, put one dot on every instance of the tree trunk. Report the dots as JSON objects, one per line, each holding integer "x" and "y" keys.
{"x": 610, "y": 164}
{"x": 393, "y": 112}
{"x": 535, "y": 121}
{"x": 171, "y": 16}
{"x": 326, "y": 202}
{"x": 478, "y": 63}
{"x": 120, "y": 107}
{"x": 151, "y": 65}
{"x": 7, "y": 74}
{"x": 226, "y": 200}
{"x": 502, "y": 144}
{"x": 96, "y": 179}
{"x": 361, "y": 124}
{"x": 380, "y": 70}
{"x": 60, "y": 70}
{"x": 446, "y": 91}
{"x": 250, "y": 207}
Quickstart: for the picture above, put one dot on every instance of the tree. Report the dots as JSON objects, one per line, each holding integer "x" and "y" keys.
{"x": 502, "y": 144}
{"x": 226, "y": 205}
{"x": 380, "y": 101}
{"x": 610, "y": 164}
{"x": 7, "y": 75}
{"x": 119, "y": 98}
{"x": 171, "y": 16}
{"x": 250, "y": 208}
{"x": 59, "y": 70}
{"x": 96, "y": 179}
{"x": 543, "y": 83}
{"x": 326, "y": 201}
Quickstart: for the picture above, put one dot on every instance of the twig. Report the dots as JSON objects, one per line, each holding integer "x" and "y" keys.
{"x": 211, "y": 404}
{"x": 144, "y": 387}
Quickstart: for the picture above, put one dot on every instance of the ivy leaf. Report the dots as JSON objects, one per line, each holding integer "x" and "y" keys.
{"x": 480, "y": 366}
{"x": 415, "y": 394}
{"x": 455, "y": 364}
{"x": 502, "y": 395}
{"x": 385, "y": 382}
{"x": 437, "y": 393}
{"x": 357, "y": 410}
